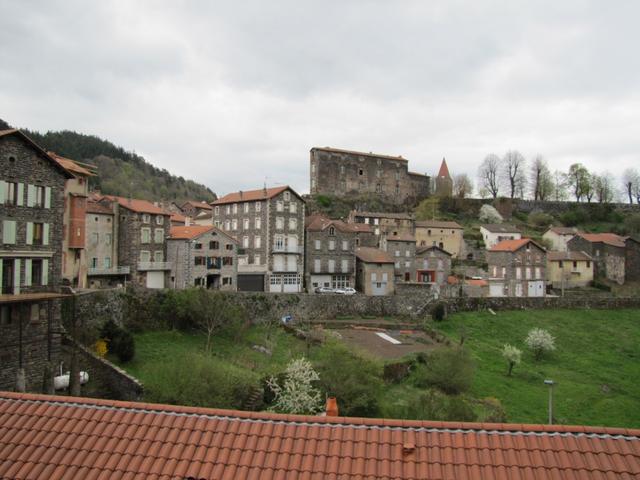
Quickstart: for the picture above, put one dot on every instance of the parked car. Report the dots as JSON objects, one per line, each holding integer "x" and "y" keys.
{"x": 346, "y": 291}
{"x": 325, "y": 290}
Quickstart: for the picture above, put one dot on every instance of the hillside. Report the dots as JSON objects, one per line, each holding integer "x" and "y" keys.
{"x": 119, "y": 172}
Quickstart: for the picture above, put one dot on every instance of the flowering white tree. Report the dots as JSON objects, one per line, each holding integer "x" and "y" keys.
{"x": 540, "y": 341}
{"x": 489, "y": 214}
{"x": 297, "y": 394}
{"x": 512, "y": 355}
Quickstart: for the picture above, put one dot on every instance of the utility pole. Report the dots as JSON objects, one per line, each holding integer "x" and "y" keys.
{"x": 550, "y": 383}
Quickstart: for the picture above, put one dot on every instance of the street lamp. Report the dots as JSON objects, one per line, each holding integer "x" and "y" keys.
{"x": 550, "y": 383}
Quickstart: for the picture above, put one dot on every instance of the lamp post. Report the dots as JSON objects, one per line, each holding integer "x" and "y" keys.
{"x": 550, "y": 383}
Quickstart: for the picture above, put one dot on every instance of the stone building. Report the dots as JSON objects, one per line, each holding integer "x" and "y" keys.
{"x": 607, "y": 251}
{"x": 384, "y": 223}
{"x": 517, "y": 268}
{"x": 345, "y": 172}
{"x": 76, "y": 191}
{"x": 559, "y": 236}
{"x": 402, "y": 248}
{"x": 433, "y": 265}
{"x": 569, "y": 269}
{"x": 492, "y": 234}
{"x": 104, "y": 268}
{"x": 443, "y": 181}
{"x": 330, "y": 251}
{"x": 142, "y": 230}
{"x": 192, "y": 208}
{"x": 31, "y": 234}
{"x": 374, "y": 272}
{"x": 269, "y": 226}
{"x": 202, "y": 256}
{"x": 443, "y": 234}
{"x": 632, "y": 260}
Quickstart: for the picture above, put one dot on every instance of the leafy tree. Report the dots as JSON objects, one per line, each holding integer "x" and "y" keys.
{"x": 462, "y": 185}
{"x": 428, "y": 209}
{"x": 449, "y": 369}
{"x": 489, "y": 174}
{"x": 512, "y": 355}
{"x": 540, "y": 342}
{"x": 297, "y": 394}
{"x": 578, "y": 179}
{"x": 513, "y": 172}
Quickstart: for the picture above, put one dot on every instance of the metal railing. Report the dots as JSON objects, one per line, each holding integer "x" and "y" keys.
{"x": 109, "y": 271}
{"x": 154, "y": 266}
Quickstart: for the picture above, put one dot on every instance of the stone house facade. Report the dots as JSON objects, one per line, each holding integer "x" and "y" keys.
{"x": 344, "y": 172}
{"x": 559, "y": 236}
{"x": 193, "y": 208}
{"x": 374, "y": 272}
{"x": 402, "y": 248}
{"x": 384, "y": 223}
{"x": 632, "y": 260}
{"x": 492, "y": 234}
{"x": 442, "y": 234}
{"x": 607, "y": 251}
{"x": 569, "y": 269}
{"x": 31, "y": 234}
{"x": 433, "y": 265}
{"x": 517, "y": 268}
{"x": 330, "y": 259}
{"x": 269, "y": 226}
{"x": 202, "y": 256}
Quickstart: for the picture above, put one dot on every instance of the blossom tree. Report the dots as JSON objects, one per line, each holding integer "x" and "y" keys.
{"x": 297, "y": 394}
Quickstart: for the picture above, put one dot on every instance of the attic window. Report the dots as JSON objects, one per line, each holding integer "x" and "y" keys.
{"x": 332, "y": 231}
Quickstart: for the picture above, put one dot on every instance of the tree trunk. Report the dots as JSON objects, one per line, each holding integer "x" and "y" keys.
{"x": 510, "y": 368}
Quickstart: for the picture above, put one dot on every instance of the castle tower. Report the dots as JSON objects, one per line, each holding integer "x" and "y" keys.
{"x": 444, "y": 182}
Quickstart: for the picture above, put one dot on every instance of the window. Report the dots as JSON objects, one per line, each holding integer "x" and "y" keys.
{"x": 407, "y": 253}
{"x": 575, "y": 264}
{"x": 229, "y": 247}
{"x": 245, "y": 242}
{"x": 279, "y": 242}
{"x": 256, "y": 259}
{"x": 39, "y": 196}
{"x": 378, "y": 173}
{"x": 397, "y": 253}
{"x": 36, "y": 271}
{"x": 38, "y": 234}
{"x": 94, "y": 262}
{"x": 245, "y": 222}
{"x": 234, "y": 224}
{"x": 360, "y": 172}
{"x": 279, "y": 206}
{"x": 332, "y": 231}
{"x": 345, "y": 245}
{"x": 145, "y": 235}
{"x": 293, "y": 207}
{"x": 146, "y": 218}
{"x": 588, "y": 264}
{"x": 258, "y": 223}
{"x": 214, "y": 245}
{"x": 257, "y": 241}
{"x": 197, "y": 246}
{"x": 293, "y": 223}
{"x": 345, "y": 265}
{"x": 107, "y": 238}
{"x": 258, "y": 206}
{"x": 158, "y": 256}
{"x": 199, "y": 260}
{"x": 145, "y": 256}
{"x": 287, "y": 196}
{"x": 227, "y": 281}
{"x": 235, "y": 208}
{"x": 11, "y": 193}
{"x": 245, "y": 207}
{"x": 95, "y": 237}
{"x": 397, "y": 264}
{"x": 378, "y": 188}
{"x": 376, "y": 221}
{"x": 227, "y": 225}
{"x": 342, "y": 169}
{"x": 317, "y": 264}
{"x": 228, "y": 209}
{"x": 216, "y": 211}
{"x": 158, "y": 235}
{"x": 560, "y": 264}
{"x": 227, "y": 261}
{"x": 332, "y": 244}
{"x": 107, "y": 262}
{"x": 318, "y": 244}
{"x": 407, "y": 264}
{"x": 279, "y": 223}
{"x": 159, "y": 220}
{"x": 217, "y": 224}
{"x": 5, "y": 319}
{"x": 332, "y": 266}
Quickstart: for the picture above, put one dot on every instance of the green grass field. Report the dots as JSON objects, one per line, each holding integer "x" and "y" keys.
{"x": 596, "y": 364}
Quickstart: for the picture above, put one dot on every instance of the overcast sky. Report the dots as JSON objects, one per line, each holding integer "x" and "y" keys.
{"x": 233, "y": 93}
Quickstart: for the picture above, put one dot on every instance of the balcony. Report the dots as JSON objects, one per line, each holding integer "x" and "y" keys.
{"x": 287, "y": 249}
{"x": 109, "y": 271}
{"x": 154, "y": 266}
{"x": 287, "y": 268}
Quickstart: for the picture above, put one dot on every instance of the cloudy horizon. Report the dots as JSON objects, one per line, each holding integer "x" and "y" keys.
{"x": 233, "y": 96}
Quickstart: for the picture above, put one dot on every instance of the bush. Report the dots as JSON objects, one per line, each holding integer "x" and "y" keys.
{"x": 118, "y": 341}
{"x": 632, "y": 223}
{"x": 540, "y": 341}
{"x": 297, "y": 393}
{"x": 600, "y": 285}
{"x": 438, "y": 312}
{"x": 435, "y": 405}
{"x": 449, "y": 369}
{"x": 573, "y": 217}
{"x": 323, "y": 201}
{"x": 540, "y": 219}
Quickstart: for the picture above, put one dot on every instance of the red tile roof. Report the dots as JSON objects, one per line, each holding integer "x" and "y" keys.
{"x": 608, "y": 238}
{"x": 373, "y": 255}
{"x": 136, "y": 205}
{"x": 189, "y": 233}
{"x": 195, "y": 204}
{"x": 444, "y": 170}
{"x": 251, "y": 195}
{"x": 71, "y": 165}
{"x": 178, "y": 218}
{"x": 55, "y": 437}
{"x": 513, "y": 245}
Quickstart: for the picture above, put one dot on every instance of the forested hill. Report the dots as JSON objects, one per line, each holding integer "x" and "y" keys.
{"x": 119, "y": 172}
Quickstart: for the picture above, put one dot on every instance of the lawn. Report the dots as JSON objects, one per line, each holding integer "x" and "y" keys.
{"x": 596, "y": 365}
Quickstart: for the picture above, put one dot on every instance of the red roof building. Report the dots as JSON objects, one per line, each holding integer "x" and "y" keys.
{"x": 54, "y": 437}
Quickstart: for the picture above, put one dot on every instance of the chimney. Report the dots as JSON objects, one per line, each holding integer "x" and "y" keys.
{"x": 240, "y": 194}
{"x": 331, "y": 408}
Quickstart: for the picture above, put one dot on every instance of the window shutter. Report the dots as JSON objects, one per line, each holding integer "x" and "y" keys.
{"x": 3, "y": 189}
{"x": 45, "y": 271}
{"x": 29, "y": 238}
{"x": 9, "y": 232}
{"x": 31, "y": 195}
{"x": 27, "y": 272}
{"x": 1, "y": 292}
{"x": 16, "y": 276}
{"x": 45, "y": 234}
{"x": 47, "y": 197}
{"x": 20, "y": 201}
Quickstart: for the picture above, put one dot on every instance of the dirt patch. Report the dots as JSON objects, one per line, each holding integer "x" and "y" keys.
{"x": 412, "y": 342}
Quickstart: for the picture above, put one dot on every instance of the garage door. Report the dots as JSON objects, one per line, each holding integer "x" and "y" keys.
{"x": 536, "y": 289}
{"x": 496, "y": 290}
{"x": 378, "y": 288}
{"x": 155, "y": 279}
{"x": 251, "y": 283}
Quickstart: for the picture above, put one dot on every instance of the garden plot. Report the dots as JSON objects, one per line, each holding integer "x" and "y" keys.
{"x": 382, "y": 343}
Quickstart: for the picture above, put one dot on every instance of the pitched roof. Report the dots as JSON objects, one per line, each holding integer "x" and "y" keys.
{"x": 97, "y": 207}
{"x": 500, "y": 228}
{"x": 421, "y": 250}
{"x": 608, "y": 238}
{"x": 195, "y": 204}
{"x": 397, "y": 216}
{"x": 444, "y": 170}
{"x": 373, "y": 255}
{"x": 57, "y": 437}
{"x": 364, "y": 154}
{"x": 252, "y": 195}
{"x": 37, "y": 148}
{"x": 137, "y": 205}
{"x": 401, "y": 237}
{"x": 438, "y": 224}
{"x": 188, "y": 233}
{"x": 318, "y": 222}
{"x": 564, "y": 230}
{"x": 71, "y": 165}
{"x": 513, "y": 245}
{"x": 576, "y": 256}
{"x": 177, "y": 217}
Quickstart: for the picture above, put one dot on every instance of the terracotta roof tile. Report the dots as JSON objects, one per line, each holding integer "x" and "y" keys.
{"x": 135, "y": 440}
{"x": 189, "y": 233}
{"x": 373, "y": 255}
{"x": 71, "y": 165}
{"x": 444, "y": 169}
{"x": 251, "y": 195}
{"x": 195, "y": 204}
{"x": 608, "y": 238}
{"x": 513, "y": 245}
{"x": 136, "y": 205}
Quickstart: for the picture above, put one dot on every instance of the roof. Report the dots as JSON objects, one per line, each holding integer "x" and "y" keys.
{"x": 364, "y": 154}
{"x": 500, "y": 228}
{"x": 188, "y": 233}
{"x": 564, "y": 230}
{"x": 401, "y": 237}
{"x": 608, "y": 238}
{"x": 57, "y": 437}
{"x": 421, "y": 250}
{"x": 137, "y": 205}
{"x": 204, "y": 215}
{"x": 97, "y": 207}
{"x": 37, "y": 148}
{"x": 554, "y": 256}
{"x": 71, "y": 166}
{"x": 444, "y": 170}
{"x": 373, "y": 255}
{"x": 399, "y": 216}
{"x": 513, "y": 245}
{"x": 252, "y": 195}
{"x": 176, "y": 217}
{"x": 438, "y": 224}
{"x": 196, "y": 204}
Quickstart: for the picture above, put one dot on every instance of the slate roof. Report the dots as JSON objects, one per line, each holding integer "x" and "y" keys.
{"x": 252, "y": 195}
{"x": 319, "y": 222}
{"x": 373, "y": 255}
{"x": 513, "y": 245}
{"x": 500, "y": 228}
{"x": 57, "y": 437}
{"x": 398, "y": 216}
{"x": 422, "y": 250}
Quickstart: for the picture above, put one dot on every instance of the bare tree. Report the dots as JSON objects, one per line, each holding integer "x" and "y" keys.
{"x": 488, "y": 173}
{"x": 513, "y": 165}
{"x": 462, "y": 185}
{"x": 559, "y": 188}
{"x": 578, "y": 180}
{"x": 603, "y": 185}
{"x": 631, "y": 181}
{"x": 541, "y": 181}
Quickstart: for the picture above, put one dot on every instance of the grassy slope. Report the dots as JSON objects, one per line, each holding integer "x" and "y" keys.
{"x": 594, "y": 348}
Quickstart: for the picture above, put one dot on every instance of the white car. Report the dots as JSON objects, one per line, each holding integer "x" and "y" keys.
{"x": 346, "y": 291}
{"x": 325, "y": 290}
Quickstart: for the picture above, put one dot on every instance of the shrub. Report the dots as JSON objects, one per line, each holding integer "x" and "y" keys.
{"x": 323, "y": 201}
{"x": 512, "y": 355}
{"x": 540, "y": 219}
{"x": 435, "y": 405}
{"x": 600, "y": 285}
{"x": 118, "y": 341}
{"x": 297, "y": 393}
{"x": 540, "y": 341}
{"x": 489, "y": 214}
{"x": 100, "y": 347}
{"x": 438, "y": 312}
{"x": 573, "y": 217}
{"x": 632, "y": 223}
{"x": 449, "y": 369}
